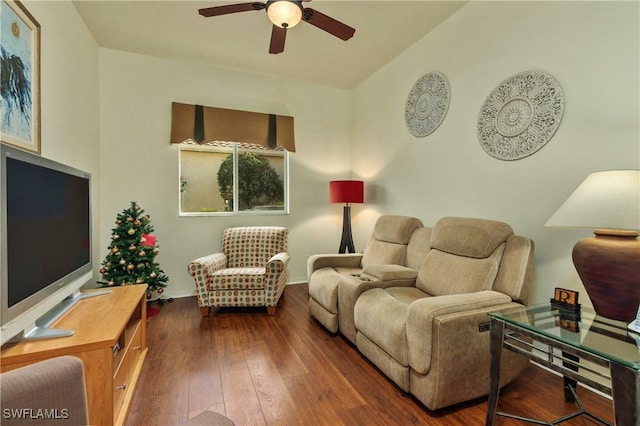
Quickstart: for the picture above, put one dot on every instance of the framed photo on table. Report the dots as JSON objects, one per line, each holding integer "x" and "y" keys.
{"x": 20, "y": 77}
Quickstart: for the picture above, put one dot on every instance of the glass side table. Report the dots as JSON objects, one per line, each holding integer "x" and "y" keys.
{"x": 584, "y": 347}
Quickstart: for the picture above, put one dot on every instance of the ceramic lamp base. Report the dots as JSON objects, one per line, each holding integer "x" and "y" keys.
{"x": 609, "y": 267}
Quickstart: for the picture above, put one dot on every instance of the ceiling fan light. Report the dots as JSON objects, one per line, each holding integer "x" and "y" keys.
{"x": 284, "y": 13}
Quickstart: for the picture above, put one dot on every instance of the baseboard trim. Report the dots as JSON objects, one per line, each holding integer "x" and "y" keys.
{"x": 181, "y": 294}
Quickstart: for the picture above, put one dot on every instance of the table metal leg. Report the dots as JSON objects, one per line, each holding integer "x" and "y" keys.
{"x": 569, "y": 383}
{"x": 625, "y": 383}
{"x": 496, "y": 338}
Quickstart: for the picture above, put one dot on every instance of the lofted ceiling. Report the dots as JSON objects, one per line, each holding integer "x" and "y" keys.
{"x": 240, "y": 41}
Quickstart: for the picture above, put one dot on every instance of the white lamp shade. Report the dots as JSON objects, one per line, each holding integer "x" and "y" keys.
{"x": 604, "y": 200}
{"x": 284, "y": 13}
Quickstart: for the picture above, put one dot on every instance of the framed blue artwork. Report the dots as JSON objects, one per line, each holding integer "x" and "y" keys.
{"x": 20, "y": 77}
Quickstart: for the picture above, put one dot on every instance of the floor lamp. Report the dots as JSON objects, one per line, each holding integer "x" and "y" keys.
{"x": 608, "y": 263}
{"x": 346, "y": 191}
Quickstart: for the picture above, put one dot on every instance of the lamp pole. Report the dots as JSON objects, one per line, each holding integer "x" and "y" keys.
{"x": 346, "y": 244}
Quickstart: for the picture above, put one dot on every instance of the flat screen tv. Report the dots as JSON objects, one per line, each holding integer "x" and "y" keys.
{"x": 46, "y": 242}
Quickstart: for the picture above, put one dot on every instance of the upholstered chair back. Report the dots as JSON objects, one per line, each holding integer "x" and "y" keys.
{"x": 465, "y": 256}
{"x": 388, "y": 243}
{"x": 253, "y": 246}
{"x": 515, "y": 273}
{"x": 418, "y": 247}
{"x": 54, "y": 384}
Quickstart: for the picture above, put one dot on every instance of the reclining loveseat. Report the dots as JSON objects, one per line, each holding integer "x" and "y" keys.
{"x": 429, "y": 334}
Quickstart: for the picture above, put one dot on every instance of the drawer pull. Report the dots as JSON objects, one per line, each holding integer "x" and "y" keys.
{"x": 137, "y": 348}
{"x": 121, "y": 387}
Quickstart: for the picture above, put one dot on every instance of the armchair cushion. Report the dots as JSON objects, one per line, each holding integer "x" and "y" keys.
{"x": 237, "y": 278}
{"x": 252, "y": 246}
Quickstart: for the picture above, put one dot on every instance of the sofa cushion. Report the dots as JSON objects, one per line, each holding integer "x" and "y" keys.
{"x": 383, "y": 253}
{"x": 395, "y": 229}
{"x": 444, "y": 273}
{"x": 418, "y": 247}
{"x": 469, "y": 237}
{"x": 388, "y": 243}
{"x": 514, "y": 275}
{"x": 323, "y": 288}
{"x": 381, "y": 314}
{"x": 390, "y": 272}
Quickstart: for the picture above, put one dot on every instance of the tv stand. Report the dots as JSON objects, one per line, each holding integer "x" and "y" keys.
{"x": 109, "y": 338}
{"x": 43, "y": 329}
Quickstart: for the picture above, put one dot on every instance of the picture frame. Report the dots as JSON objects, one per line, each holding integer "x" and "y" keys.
{"x": 20, "y": 89}
{"x": 564, "y": 296}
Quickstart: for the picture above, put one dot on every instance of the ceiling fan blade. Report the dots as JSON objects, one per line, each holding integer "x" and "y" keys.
{"x": 328, "y": 24}
{"x": 278, "y": 36}
{"x": 230, "y": 8}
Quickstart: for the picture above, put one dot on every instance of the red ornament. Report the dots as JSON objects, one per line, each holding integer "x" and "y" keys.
{"x": 149, "y": 240}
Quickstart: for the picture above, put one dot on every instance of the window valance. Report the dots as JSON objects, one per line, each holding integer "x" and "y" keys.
{"x": 206, "y": 124}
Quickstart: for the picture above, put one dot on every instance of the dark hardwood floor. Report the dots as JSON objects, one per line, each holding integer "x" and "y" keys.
{"x": 288, "y": 370}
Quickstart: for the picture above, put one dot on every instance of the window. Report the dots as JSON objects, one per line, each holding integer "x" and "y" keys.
{"x": 223, "y": 178}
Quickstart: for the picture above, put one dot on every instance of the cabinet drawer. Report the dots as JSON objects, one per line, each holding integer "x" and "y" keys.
{"x": 135, "y": 345}
{"x": 121, "y": 381}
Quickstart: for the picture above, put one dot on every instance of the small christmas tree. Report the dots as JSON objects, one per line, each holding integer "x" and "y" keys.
{"x": 132, "y": 252}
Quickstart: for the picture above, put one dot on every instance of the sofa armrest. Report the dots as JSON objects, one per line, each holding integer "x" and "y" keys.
{"x": 422, "y": 313}
{"x": 462, "y": 335}
{"x": 347, "y": 260}
{"x": 207, "y": 265}
{"x": 390, "y": 272}
{"x": 276, "y": 276}
{"x": 201, "y": 269}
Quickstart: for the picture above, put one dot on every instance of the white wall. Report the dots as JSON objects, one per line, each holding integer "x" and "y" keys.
{"x": 69, "y": 116}
{"x": 69, "y": 93}
{"x": 591, "y": 48}
{"x": 138, "y": 163}
{"x": 108, "y": 112}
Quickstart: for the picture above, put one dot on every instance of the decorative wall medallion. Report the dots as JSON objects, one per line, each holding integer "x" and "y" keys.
{"x": 521, "y": 115}
{"x": 427, "y": 104}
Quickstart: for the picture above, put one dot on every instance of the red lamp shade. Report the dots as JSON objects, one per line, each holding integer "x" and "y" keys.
{"x": 346, "y": 191}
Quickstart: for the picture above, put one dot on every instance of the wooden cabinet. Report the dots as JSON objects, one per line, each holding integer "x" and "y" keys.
{"x": 110, "y": 338}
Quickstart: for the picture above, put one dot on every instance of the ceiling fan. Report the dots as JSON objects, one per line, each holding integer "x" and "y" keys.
{"x": 285, "y": 14}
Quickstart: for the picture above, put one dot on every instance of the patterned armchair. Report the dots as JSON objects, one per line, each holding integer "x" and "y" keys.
{"x": 250, "y": 270}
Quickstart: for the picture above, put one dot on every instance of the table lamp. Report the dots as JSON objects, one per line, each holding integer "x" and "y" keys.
{"x": 346, "y": 191}
{"x": 608, "y": 263}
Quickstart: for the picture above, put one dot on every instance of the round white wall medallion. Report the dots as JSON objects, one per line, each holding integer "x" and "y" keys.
{"x": 427, "y": 104}
{"x": 521, "y": 115}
